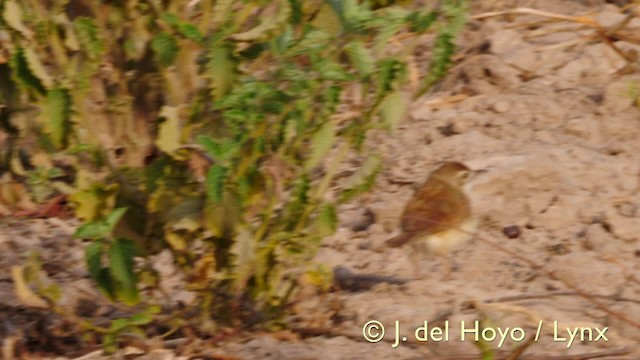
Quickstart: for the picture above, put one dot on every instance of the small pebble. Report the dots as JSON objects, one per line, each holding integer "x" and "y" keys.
{"x": 511, "y": 231}
{"x": 367, "y": 218}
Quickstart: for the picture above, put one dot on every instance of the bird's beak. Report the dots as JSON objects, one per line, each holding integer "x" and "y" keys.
{"x": 476, "y": 173}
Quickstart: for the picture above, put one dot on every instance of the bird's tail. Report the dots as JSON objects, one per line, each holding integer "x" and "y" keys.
{"x": 399, "y": 240}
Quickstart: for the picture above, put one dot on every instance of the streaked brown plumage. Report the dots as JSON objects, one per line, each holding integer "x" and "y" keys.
{"x": 438, "y": 217}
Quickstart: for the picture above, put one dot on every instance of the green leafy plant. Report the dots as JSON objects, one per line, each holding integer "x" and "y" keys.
{"x": 110, "y": 260}
{"x": 222, "y": 126}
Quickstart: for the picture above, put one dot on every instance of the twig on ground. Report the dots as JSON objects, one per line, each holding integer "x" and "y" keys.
{"x": 608, "y": 36}
{"x": 538, "y": 267}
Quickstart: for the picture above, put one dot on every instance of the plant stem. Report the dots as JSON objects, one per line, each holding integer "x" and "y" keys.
{"x": 323, "y": 186}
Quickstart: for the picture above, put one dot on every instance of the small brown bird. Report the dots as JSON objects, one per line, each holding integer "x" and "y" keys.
{"x": 438, "y": 219}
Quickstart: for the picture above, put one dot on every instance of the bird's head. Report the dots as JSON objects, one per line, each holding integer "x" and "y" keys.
{"x": 452, "y": 172}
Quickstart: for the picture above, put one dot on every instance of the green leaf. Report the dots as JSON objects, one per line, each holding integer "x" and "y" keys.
{"x": 440, "y": 60}
{"x": 37, "y": 68}
{"x": 393, "y": 109}
{"x": 334, "y": 72}
{"x": 165, "y": 49}
{"x": 113, "y": 218}
{"x": 191, "y": 32}
{"x": 268, "y": 24}
{"x": 51, "y": 292}
{"x": 93, "y": 257}
{"x": 153, "y": 309}
{"x": 92, "y": 230}
{"x": 327, "y": 221}
{"x": 56, "y": 116}
{"x": 170, "y": 18}
{"x": 94, "y": 200}
{"x": 321, "y": 143}
{"x": 328, "y": 20}
{"x": 391, "y": 73}
{"x": 119, "y": 325}
{"x": 299, "y": 199}
{"x": 421, "y": 22}
{"x": 221, "y": 69}
{"x": 456, "y": 12}
{"x": 86, "y": 203}
{"x": 155, "y": 172}
{"x": 354, "y": 15}
{"x": 360, "y": 57}
{"x": 216, "y": 177}
{"x": 105, "y": 283}
{"x": 331, "y": 98}
{"x": 101, "y": 228}
{"x": 187, "y": 30}
{"x": 121, "y": 267}
{"x": 362, "y": 179}
{"x": 89, "y": 37}
{"x": 311, "y": 41}
{"x": 140, "y": 319}
{"x": 223, "y": 218}
{"x": 109, "y": 343}
{"x": 22, "y": 73}
{"x": 388, "y": 21}
{"x": 221, "y": 150}
{"x": 296, "y": 12}
{"x": 210, "y": 145}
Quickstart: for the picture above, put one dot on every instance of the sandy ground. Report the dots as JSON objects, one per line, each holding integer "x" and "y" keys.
{"x": 548, "y": 119}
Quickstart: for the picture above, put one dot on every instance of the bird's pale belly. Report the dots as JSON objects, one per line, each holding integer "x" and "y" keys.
{"x": 444, "y": 242}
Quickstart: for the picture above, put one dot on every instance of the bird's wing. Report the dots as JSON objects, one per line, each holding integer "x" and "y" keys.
{"x": 435, "y": 207}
